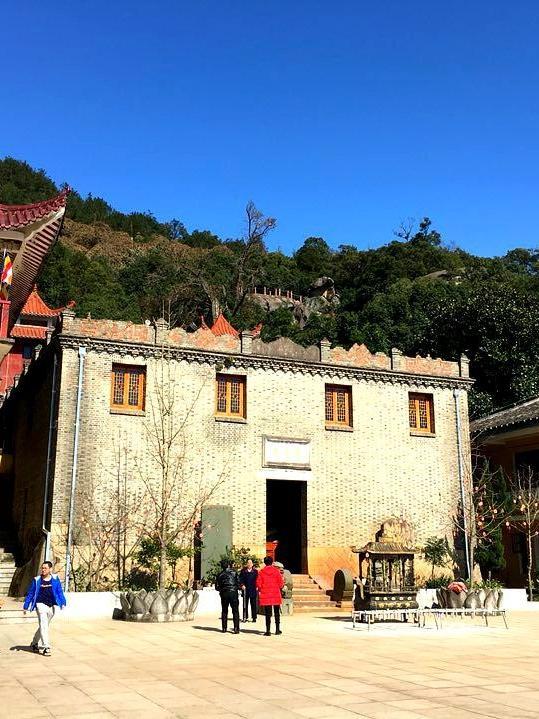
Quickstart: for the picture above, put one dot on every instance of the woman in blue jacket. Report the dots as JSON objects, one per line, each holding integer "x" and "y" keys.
{"x": 44, "y": 594}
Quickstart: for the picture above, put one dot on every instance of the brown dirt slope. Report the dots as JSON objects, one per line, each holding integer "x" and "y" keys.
{"x": 99, "y": 240}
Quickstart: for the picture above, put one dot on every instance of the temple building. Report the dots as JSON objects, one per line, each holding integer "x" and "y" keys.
{"x": 509, "y": 438}
{"x": 34, "y": 327}
{"x": 310, "y": 447}
{"x": 27, "y": 234}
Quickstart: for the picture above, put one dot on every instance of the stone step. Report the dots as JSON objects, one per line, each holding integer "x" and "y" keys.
{"x": 15, "y": 616}
{"x": 319, "y": 608}
{"x": 315, "y": 596}
{"x": 308, "y": 587}
{"x": 309, "y": 596}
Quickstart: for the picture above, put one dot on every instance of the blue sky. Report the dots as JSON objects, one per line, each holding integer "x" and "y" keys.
{"x": 339, "y": 119}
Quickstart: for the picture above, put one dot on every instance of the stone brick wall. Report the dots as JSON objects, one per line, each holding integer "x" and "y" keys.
{"x": 357, "y": 479}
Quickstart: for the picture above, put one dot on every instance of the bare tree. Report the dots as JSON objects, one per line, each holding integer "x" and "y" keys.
{"x": 405, "y": 230}
{"x": 248, "y": 267}
{"x": 227, "y": 273}
{"x": 176, "y": 493}
{"x": 524, "y": 516}
{"x": 108, "y": 519}
{"x": 482, "y": 508}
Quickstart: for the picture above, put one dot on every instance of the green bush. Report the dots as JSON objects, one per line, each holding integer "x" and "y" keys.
{"x": 488, "y": 584}
{"x": 436, "y": 582}
{"x": 436, "y": 553}
{"x": 238, "y": 556}
{"x": 149, "y": 553}
{"x": 141, "y": 579}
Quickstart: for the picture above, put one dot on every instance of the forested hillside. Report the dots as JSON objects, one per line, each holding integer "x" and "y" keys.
{"x": 414, "y": 293}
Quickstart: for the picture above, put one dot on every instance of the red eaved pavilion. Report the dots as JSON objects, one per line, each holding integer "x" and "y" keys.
{"x": 34, "y": 327}
{"x": 27, "y": 233}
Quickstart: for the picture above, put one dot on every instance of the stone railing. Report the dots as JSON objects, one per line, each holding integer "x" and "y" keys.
{"x": 476, "y": 599}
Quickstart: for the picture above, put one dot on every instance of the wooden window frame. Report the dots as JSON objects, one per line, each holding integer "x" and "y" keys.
{"x": 127, "y": 371}
{"x": 227, "y": 413}
{"x": 334, "y": 423}
{"x": 415, "y": 428}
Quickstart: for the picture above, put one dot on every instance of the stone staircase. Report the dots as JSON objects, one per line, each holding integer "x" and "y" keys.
{"x": 309, "y": 596}
{"x": 11, "y": 612}
{"x": 7, "y": 562}
{"x": 10, "y": 609}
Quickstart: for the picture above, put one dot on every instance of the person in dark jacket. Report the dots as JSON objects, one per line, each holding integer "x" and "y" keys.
{"x": 248, "y": 576}
{"x": 269, "y": 583}
{"x": 228, "y": 584}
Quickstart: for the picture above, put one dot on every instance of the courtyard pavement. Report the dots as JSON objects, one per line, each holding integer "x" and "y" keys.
{"x": 318, "y": 668}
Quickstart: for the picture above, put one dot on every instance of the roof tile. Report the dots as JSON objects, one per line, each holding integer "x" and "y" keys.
{"x": 21, "y": 215}
{"x": 29, "y": 332}
{"x": 222, "y": 326}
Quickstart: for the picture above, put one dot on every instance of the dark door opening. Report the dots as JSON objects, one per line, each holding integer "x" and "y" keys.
{"x": 286, "y": 521}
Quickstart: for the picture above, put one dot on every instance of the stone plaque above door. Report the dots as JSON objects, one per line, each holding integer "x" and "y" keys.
{"x": 286, "y": 452}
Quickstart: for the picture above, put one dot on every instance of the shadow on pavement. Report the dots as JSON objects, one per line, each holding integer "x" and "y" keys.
{"x": 22, "y": 648}
{"x": 216, "y": 629}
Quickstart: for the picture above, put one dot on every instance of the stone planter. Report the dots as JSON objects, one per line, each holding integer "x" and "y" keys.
{"x": 164, "y": 605}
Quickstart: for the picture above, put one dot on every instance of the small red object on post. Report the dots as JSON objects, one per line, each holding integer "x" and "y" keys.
{"x": 271, "y": 548}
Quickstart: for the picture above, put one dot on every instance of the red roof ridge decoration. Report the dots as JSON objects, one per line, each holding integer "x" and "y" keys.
{"x": 13, "y": 216}
{"x": 257, "y": 330}
{"x": 222, "y": 326}
{"x": 34, "y": 305}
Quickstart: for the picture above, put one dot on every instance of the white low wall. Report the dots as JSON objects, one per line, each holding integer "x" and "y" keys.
{"x": 101, "y": 605}
{"x": 90, "y": 605}
{"x": 209, "y": 603}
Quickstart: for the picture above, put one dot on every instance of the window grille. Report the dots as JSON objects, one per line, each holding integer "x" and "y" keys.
{"x": 421, "y": 412}
{"x": 338, "y": 404}
{"x": 231, "y": 396}
{"x": 128, "y": 387}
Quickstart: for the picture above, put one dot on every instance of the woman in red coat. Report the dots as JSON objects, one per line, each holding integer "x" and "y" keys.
{"x": 269, "y": 583}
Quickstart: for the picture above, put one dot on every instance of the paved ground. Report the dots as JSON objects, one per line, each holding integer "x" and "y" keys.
{"x": 319, "y": 667}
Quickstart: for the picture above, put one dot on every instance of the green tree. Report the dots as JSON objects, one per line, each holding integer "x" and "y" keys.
{"x": 314, "y": 259}
{"x": 20, "y": 184}
{"x": 436, "y": 553}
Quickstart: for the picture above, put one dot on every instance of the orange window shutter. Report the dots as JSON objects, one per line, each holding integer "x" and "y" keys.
{"x": 133, "y": 395}
{"x": 341, "y": 401}
{"x": 412, "y": 410}
{"x": 424, "y": 413}
{"x": 330, "y": 414}
{"x": 235, "y": 396}
{"x": 221, "y": 395}
{"x": 118, "y": 387}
